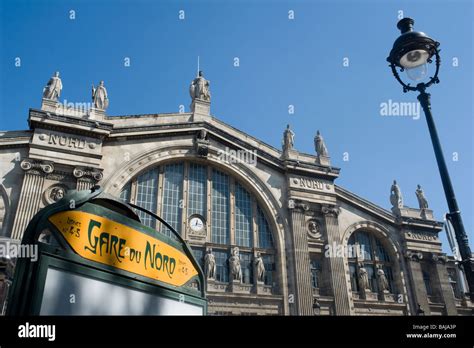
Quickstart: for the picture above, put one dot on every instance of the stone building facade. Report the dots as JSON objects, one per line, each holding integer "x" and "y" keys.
{"x": 324, "y": 250}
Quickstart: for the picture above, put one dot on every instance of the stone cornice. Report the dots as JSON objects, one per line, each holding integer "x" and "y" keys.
{"x": 382, "y": 213}
{"x": 15, "y": 138}
{"x": 420, "y": 223}
{"x": 50, "y": 120}
{"x": 223, "y": 135}
{"x": 190, "y": 129}
{"x": 308, "y": 169}
{"x": 151, "y": 116}
{"x": 364, "y": 204}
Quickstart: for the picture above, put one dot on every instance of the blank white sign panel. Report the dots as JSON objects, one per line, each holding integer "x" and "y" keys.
{"x": 67, "y": 293}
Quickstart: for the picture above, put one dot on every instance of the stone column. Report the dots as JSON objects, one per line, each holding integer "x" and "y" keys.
{"x": 86, "y": 177}
{"x": 342, "y": 305}
{"x": 304, "y": 291}
{"x": 31, "y": 191}
{"x": 416, "y": 282}
{"x": 442, "y": 283}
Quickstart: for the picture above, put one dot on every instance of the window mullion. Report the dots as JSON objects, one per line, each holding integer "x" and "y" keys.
{"x": 373, "y": 245}
{"x": 232, "y": 212}
{"x": 255, "y": 240}
{"x": 159, "y": 203}
{"x": 209, "y": 203}
{"x": 184, "y": 200}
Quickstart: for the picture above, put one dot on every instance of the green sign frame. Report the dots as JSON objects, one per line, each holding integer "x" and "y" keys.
{"x": 30, "y": 277}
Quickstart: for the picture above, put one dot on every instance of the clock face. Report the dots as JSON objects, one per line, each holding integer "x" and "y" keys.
{"x": 196, "y": 224}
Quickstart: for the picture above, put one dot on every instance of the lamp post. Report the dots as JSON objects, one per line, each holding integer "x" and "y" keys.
{"x": 412, "y": 52}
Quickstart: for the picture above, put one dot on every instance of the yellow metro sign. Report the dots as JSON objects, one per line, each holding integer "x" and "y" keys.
{"x": 108, "y": 242}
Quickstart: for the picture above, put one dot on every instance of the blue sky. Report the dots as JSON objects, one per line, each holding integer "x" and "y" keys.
{"x": 282, "y": 62}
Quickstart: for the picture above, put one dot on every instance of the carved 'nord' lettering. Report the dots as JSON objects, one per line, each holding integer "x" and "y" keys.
{"x": 311, "y": 184}
{"x": 421, "y": 236}
{"x": 53, "y": 139}
{"x": 76, "y": 143}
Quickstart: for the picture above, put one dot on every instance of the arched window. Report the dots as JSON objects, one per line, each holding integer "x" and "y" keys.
{"x": 365, "y": 250}
{"x": 180, "y": 190}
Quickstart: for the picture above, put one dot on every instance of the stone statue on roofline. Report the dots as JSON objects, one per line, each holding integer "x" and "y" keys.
{"x": 396, "y": 195}
{"x": 320, "y": 146}
{"x": 420, "y": 195}
{"x": 100, "y": 98}
{"x": 53, "y": 88}
{"x": 288, "y": 138}
{"x": 199, "y": 88}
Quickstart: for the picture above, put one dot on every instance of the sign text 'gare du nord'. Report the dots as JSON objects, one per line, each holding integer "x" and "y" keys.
{"x": 108, "y": 242}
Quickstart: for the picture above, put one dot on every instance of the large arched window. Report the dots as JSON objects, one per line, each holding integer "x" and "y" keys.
{"x": 181, "y": 190}
{"x": 365, "y": 250}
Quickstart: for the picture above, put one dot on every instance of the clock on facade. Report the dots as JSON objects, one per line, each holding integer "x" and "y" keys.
{"x": 196, "y": 223}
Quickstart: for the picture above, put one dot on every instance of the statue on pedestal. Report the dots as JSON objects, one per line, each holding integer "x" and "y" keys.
{"x": 99, "y": 96}
{"x": 199, "y": 88}
{"x": 53, "y": 89}
{"x": 423, "y": 203}
{"x": 288, "y": 138}
{"x": 363, "y": 278}
{"x": 260, "y": 266}
{"x": 382, "y": 280}
{"x": 320, "y": 146}
{"x": 396, "y": 195}
{"x": 210, "y": 264}
{"x": 234, "y": 265}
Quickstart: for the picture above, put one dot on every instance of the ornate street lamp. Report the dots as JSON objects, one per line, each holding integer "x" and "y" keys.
{"x": 412, "y": 52}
